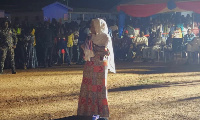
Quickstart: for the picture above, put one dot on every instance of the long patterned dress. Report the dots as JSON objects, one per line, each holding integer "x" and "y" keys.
{"x": 93, "y": 94}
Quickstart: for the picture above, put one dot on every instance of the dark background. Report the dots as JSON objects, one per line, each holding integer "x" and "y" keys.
{"x": 36, "y": 5}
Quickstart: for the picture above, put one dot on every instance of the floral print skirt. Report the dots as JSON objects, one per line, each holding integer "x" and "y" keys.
{"x": 93, "y": 93}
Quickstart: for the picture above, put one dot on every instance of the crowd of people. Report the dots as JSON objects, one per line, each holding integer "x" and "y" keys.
{"x": 145, "y": 38}
{"x": 50, "y": 43}
{"x": 42, "y": 45}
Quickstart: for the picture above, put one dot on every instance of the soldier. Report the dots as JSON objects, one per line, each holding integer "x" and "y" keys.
{"x": 8, "y": 42}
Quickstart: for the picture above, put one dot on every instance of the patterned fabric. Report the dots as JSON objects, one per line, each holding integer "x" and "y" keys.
{"x": 93, "y": 95}
{"x": 3, "y": 54}
{"x": 7, "y": 38}
{"x": 142, "y": 40}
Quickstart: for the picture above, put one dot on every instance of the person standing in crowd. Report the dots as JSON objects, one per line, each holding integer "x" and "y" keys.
{"x": 48, "y": 42}
{"x": 172, "y": 28}
{"x": 83, "y": 35}
{"x": 93, "y": 93}
{"x": 157, "y": 42}
{"x": 75, "y": 46}
{"x": 126, "y": 45}
{"x": 55, "y": 29}
{"x": 33, "y": 57}
{"x": 18, "y": 61}
{"x": 21, "y": 50}
{"x": 27, "y": 41}
{"x": 39, "y": 47}
{"x": 17, "y": 29}
{"x": 8, "y": 42}
{"x": 188, "y": 44}
{"x": 178, "y": 33}
{"x": 185, "y": 29}
{"x": 70, "y": 41}
{"x": 152, "y": 34}
{"x": 189, "y": 36}
{"x": 62, "y": 49}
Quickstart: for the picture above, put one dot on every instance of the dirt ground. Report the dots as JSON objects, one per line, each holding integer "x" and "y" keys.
{"x": 139, "y": 91}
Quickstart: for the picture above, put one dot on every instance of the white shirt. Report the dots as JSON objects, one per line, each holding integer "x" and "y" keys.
{"x": 142, "y": 40}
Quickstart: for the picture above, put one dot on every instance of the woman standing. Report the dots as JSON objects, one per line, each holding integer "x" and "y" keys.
{"x": 99, "y": 58}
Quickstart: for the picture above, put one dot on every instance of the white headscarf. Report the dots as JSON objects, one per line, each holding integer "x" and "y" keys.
{"x": 102, "y": 38}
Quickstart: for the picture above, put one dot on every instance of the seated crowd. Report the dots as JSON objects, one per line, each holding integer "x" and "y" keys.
{"x": 161, "y": 37}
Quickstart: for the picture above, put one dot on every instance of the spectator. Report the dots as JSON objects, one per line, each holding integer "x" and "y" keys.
{"x": 7, "y": 45}
{"x": 189, "y": 36}
{"x": 76, "y": 53}
{"x": 70, "y": 41}
{"x": 48, "y": 43}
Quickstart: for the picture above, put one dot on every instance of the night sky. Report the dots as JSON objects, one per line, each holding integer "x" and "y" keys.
{"x": 35, "y": 5}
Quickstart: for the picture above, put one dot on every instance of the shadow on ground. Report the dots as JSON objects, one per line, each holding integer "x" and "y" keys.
{"x": 155, "y": 68}
{"x": 79, "y": 118}
{"x": 75, "y": 118}
{"x": 167, "y": 84}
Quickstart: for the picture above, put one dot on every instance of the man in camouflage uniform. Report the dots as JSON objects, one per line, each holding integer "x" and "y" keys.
{"x": 8, "y": 42}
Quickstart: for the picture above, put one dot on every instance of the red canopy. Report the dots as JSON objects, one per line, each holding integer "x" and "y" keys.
{"x": 189, "y": 6}
{"x": 144, "y": 8}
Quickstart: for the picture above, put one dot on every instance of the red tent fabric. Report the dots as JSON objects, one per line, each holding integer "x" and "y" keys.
{"x": 189, "y": 6}
{"x": 144, "y": 8}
